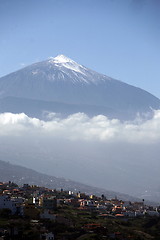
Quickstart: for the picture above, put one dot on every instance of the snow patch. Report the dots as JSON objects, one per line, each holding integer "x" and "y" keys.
{"x": 74, "y": 71}
{"x": 63, "y": 61}
{"x": 35, "y": 72}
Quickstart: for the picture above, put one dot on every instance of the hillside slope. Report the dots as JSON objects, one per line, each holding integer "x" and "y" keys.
{"x": 22, "y": 175}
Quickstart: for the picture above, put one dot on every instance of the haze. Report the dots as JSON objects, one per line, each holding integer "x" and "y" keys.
{"x": 97, "y": 151}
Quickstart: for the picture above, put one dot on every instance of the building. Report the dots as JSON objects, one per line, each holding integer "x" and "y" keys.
{"x": 7, "y": 202}
{"x": 48, "y": 202}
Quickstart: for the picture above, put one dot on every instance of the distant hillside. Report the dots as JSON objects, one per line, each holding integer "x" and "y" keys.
{"x": 22, "y": 175}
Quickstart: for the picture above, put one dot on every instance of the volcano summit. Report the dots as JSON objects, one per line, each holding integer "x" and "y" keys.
{"x": 63, "y": 86}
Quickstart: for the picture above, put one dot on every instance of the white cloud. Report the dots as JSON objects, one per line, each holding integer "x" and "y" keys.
{"x": 80, "y": 127}
{"x": 98, "y": 151}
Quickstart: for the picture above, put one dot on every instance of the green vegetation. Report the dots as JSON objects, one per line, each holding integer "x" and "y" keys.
{"x": 78, "y": 224}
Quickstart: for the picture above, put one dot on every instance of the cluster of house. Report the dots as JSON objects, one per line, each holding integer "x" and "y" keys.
{"x": 40, "y": 202}
{"x": 20, "y": 201}
{"x": 114, "y": 207}
{"x": 24, "y": 200}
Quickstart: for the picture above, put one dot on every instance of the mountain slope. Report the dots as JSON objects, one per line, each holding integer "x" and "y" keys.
{"x": 63, "y": 81}
{"x": 22, "y": 175}
{"x": 101, "y": 152}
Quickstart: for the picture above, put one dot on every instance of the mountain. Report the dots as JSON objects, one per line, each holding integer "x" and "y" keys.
{"x": 22, "y": 175}
{"x": 61, "y": 85}
{"x": 119, "y": 155}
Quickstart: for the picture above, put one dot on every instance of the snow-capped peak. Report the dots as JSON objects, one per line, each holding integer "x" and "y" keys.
{"x": 74, "y": 71}
{"x": 62, "y": 59}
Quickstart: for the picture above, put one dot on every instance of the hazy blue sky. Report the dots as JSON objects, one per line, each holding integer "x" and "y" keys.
{"x": 120, "y": 38}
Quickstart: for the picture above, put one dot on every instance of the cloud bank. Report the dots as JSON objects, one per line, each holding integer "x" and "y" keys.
{"x": 118, "y": 156}
{"x": 80, "y": 127}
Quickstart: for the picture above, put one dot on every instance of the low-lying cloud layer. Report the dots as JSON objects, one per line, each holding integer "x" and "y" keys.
{"x": 119, "y": 156}
{"x": 80, "y": 127}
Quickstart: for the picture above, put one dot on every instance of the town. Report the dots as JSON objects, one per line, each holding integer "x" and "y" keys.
{"x": 34, "y": 212}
